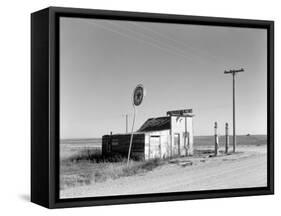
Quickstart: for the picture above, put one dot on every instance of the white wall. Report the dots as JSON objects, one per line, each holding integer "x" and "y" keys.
{"x": 179, "y": 126}
{"x": 164, "y": 136}
{"x": 15, "y": 107}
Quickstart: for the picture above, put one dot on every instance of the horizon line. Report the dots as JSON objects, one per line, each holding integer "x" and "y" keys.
{"x": 193, "y": 136}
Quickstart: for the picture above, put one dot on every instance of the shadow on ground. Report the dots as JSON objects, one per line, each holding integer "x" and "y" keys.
{"x": 25, "y": 197}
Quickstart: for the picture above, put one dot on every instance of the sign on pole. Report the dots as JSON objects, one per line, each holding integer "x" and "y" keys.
{"x": 138, "y": 96}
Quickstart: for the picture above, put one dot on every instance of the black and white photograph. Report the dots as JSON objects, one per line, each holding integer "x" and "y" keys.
{"x": 140, "y": 108}
{"x": 150, "y": 107}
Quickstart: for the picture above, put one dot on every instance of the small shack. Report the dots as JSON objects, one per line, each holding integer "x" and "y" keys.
{"x": 161, "y": 137}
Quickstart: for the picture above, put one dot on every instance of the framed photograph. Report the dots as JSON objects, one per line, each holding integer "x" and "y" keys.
{"x": 139, "y": 107}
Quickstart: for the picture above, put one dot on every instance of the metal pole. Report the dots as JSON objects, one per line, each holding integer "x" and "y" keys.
{"x": 185, "y": 137}
{"x": 132, "y": 134}
{"x": 126, "y": 123}
{"x": 216, "y": 139}
{"x": 226, "y": 138}
{"x": 234, "y": 133}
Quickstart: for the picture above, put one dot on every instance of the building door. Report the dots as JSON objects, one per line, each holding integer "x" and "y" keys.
{"x": 176, "y": 147}
{"x": 186, "y": 137}
{"x": 154, "y": 147}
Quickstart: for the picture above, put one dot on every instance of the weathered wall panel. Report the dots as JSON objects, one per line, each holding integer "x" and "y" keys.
{"x": 120, "y": 143}
{"x": 182, "y": 125}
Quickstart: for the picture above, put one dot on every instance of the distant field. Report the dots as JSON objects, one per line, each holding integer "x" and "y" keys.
{"x": 72, "y": 147}
{"x": 243, "y": 140}
{"x": 92, "y": 141}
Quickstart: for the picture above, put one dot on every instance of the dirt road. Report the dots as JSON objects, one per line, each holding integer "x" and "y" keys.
{"x": 233, "y": 171}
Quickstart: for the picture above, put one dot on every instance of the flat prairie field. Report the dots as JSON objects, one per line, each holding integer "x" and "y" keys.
{"x": 74, "y": 147}
{"x": 85, "y": 173}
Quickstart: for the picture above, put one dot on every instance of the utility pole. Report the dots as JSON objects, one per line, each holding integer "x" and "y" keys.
{"x": 126, "y": 123}
{"x": 234, "y": 72}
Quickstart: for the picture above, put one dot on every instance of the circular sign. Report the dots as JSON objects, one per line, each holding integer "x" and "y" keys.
{"x": 138, "y": 95}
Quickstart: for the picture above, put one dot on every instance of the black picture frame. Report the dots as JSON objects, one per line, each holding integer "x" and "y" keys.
{"x": 45, "y": 106}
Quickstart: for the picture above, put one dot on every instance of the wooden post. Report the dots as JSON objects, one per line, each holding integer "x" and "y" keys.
{"x": 233, "y": 98}
{"x": 126, "y": 123}
{"x": 216, "y": 139}
{"x": 132, "y": 134}
{"x": 233, "y": 72}
{"x": 226, "y": 138}
{"x": 186, "y": 146}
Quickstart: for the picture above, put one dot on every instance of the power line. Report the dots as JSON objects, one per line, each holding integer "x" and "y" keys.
{"x": 154, "y": 40}
{"x": 185, "y": 44}
{"x": 139, "y": 39}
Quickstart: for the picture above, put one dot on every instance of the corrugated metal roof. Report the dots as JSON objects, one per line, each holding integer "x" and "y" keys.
{"x": 156, "y": 124}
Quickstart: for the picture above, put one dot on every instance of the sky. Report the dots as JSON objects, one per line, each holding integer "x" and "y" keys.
{"x": 180, "y": 66}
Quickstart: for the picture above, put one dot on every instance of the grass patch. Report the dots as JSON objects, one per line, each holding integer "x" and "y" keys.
{"x": 88, "y": 167}
{"x": 95, "y": 156}
{"x": 141, "y": 167}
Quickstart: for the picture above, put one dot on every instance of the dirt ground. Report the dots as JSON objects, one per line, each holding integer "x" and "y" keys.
{"x": 246, "y": 168}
